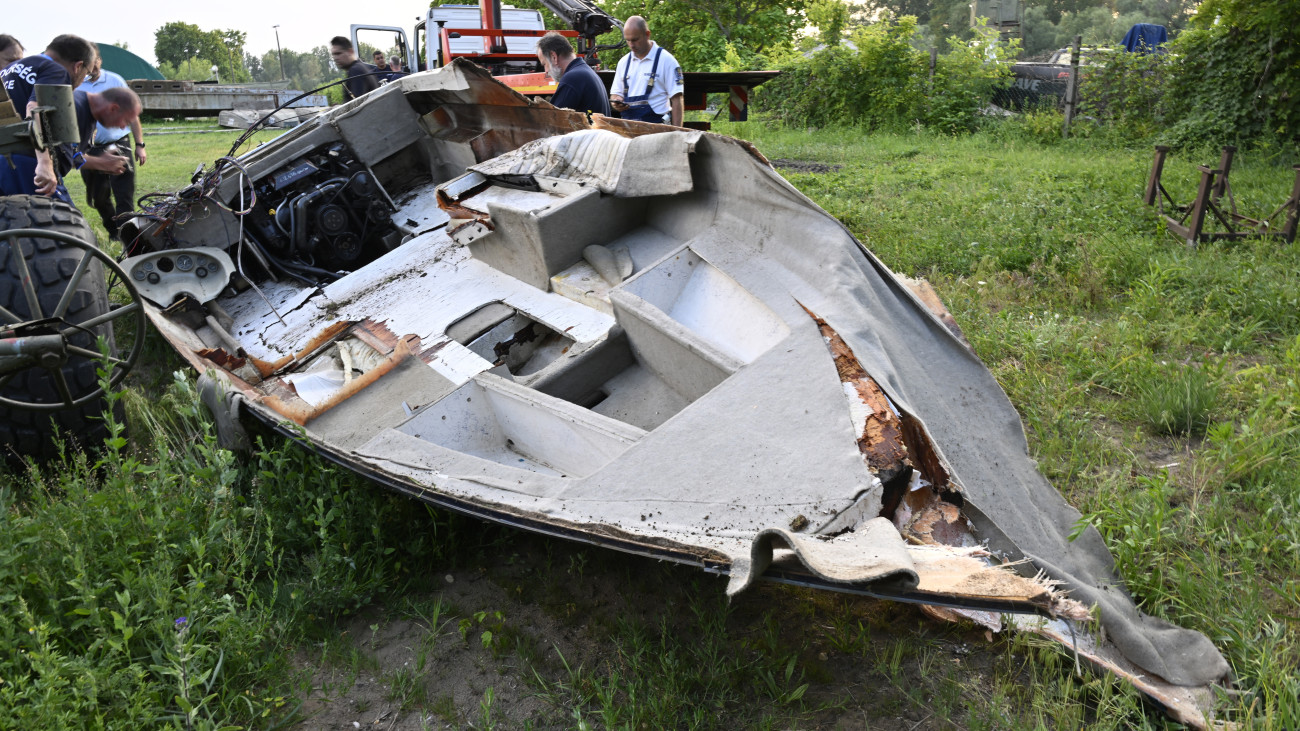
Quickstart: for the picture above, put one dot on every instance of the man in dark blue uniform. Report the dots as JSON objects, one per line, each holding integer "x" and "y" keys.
{"x": 67, "y": 57}
{"x": 395, "y": 71}
{"x": 10, "y": 50}
{"x": 579, "y": 87}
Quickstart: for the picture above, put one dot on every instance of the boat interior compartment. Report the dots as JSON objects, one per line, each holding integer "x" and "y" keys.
{"x": 495, "y": 419}
{"x": 533, "y": 244}
{"x": 709, "y": 304}
{"x": 531, "y": 297}
{"x": 504, "y": 336}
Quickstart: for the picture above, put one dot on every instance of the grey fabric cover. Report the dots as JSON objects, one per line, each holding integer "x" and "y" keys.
{"x": 871, "y": 552}
{"x": 628, "y": 168}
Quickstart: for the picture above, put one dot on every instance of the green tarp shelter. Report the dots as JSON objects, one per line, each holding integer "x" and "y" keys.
{"x": 126, "y": 64}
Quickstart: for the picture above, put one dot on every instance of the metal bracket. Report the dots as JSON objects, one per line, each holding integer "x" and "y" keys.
{"x": 225, "y": 408}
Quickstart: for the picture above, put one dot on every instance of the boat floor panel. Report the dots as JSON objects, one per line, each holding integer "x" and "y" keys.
{"x": 637, "y": 397}
{"x": 382, "y": 406}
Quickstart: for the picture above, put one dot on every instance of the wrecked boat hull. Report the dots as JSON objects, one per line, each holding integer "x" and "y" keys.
{"x": 635, "y": 337}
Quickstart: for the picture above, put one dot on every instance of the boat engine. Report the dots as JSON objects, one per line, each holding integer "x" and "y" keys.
{"x": 324, "y": 210}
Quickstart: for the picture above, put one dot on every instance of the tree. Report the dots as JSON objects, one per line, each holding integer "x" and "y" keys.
{"x": 304, "y": 70}
{"x": 1098, "y": 21}
{"x": 831, "y": 18}
{"x": 191, "y": 69}
{"x": 255, "y": 68}
{"x": 1173, "y": 14}
{"x": 919, "y": 9}
{"x": 950, "y": 19}
{"x": 1056, "y": 9}
{"x": 178, "y": 43}
{"x": 701, "y": 33}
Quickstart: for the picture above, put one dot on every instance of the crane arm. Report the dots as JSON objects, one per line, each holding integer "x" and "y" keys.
{"x": 583, "y": 16}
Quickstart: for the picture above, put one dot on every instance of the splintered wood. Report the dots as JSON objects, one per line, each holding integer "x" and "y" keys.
{"x": 965, "y": 574}
{"x": 949, "y": 560}
{"x": 880, "y": 437}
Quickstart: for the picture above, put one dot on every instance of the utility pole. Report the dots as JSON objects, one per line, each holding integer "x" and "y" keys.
{"x": 278, "y": 52}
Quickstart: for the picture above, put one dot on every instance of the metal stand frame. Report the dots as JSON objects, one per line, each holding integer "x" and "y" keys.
{"x": 1214, "y": 186}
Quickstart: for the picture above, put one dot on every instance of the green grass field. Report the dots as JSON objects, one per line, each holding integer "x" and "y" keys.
{"x": 170, "y": 583}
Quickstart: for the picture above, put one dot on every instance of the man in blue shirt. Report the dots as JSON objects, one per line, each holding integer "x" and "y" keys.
{"x": 395, "y": 71}
{"x": 579, "y": 87}
{"x": 116, "y": 107}
{"x": 102, "y": 188}
{"x": 67, "y": 57}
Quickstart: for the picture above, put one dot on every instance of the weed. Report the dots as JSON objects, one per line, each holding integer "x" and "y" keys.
{"x": 492, "y": 634}
{"x": 777, "y": 684}
{"x": 406, "y": 687}
{"x": 485, "y": 709}
{"x": 1250, "y": 452}
{"x": 1179, "y": 399}
{"x": 444, "y": 707}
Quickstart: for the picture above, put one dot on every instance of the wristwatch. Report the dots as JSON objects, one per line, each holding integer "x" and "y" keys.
{"x": 139, "y": 143}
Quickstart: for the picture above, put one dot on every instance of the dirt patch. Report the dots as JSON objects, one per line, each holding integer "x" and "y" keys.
{"x": 459, "y": 657}
{"x": 804, "y": 166}
{"x": 539, "y": 633}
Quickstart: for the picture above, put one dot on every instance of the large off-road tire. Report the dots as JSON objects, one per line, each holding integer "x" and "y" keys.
{"x": 53, "y": 267}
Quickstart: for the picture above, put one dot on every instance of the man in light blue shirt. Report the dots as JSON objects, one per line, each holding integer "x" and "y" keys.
{"x": 112, "y": 195}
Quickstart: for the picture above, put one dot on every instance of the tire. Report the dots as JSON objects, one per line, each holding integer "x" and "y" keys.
{"x": 52, "y": 264}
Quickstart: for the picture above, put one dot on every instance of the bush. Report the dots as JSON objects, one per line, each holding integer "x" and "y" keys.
{"x": 964, "y": 81}
{"x": 1237, "y": 76}
{"x": 1128, "y": 91}
{"x": 1040, "y": 124}
{"x": 885, "y": 84}
{"x": 878, "y": 85}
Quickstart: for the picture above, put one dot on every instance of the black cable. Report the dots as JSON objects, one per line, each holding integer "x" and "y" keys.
{"x": 254, "y": 127}
{"x": 177, "y": 208}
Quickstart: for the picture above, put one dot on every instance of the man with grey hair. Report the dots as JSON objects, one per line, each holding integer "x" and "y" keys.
{"x": 579, "y": 87}
{"x": 648, "y": 82}
{"x": 395, "y": 71}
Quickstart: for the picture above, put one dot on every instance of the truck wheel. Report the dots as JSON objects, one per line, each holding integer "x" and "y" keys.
{"x": 52, "y": 282}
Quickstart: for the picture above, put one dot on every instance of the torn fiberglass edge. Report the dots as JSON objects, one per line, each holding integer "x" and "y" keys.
{"x": 644, "y": 338}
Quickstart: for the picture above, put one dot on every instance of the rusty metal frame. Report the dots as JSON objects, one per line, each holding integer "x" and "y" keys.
{"x": 1213, "y": 187}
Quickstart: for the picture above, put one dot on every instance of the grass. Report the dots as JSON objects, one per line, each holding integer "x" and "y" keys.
{"x": 1159, "y": 387}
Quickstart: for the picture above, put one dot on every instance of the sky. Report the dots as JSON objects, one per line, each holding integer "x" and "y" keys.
{"x": 303, "y": 24}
